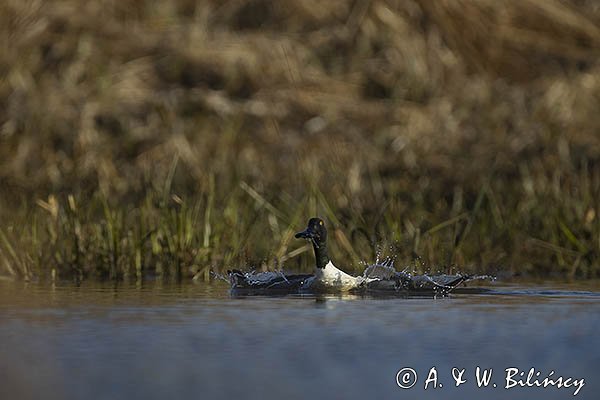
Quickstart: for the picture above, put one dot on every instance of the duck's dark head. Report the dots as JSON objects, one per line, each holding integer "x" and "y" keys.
{"x": 316, "y": 233}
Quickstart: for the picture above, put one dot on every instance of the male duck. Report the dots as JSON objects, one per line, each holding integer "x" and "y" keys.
{"x": 376, "y": 278}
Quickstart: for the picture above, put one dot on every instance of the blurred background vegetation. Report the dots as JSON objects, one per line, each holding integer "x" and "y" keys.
{"x": 144, "y": 137}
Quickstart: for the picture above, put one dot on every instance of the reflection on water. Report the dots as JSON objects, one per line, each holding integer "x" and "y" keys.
{"x": 197, "y": 341}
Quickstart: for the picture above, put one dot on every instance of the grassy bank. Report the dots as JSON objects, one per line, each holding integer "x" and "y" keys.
{"x": 172, "y": 138}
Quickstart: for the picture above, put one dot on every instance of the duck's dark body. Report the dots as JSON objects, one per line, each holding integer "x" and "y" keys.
{"x": 278, "y": 283}
{"x": 400, "y": 284}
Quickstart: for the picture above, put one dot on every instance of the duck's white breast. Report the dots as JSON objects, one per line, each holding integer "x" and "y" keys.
{"x": 333, "y": 277}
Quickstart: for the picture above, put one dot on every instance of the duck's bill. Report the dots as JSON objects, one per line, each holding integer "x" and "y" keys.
{"x": 305, "y": 234}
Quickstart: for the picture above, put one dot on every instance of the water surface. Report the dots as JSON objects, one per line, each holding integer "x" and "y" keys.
{"x": 156, "y": 341}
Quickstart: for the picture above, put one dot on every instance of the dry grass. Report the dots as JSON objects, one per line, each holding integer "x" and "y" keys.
{"x": 179, "y": 136}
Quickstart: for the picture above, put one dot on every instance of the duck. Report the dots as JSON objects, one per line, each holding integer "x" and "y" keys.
{"x": 379, "y": 277}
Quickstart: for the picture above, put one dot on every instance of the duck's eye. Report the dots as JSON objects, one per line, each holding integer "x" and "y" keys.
{"x": 321, "y": 223}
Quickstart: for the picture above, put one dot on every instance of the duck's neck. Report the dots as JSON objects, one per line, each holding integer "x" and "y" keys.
{"x": 321, "y": 255}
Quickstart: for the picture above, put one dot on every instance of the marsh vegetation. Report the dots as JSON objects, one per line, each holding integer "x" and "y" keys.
{"x": 173, "y": 138}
